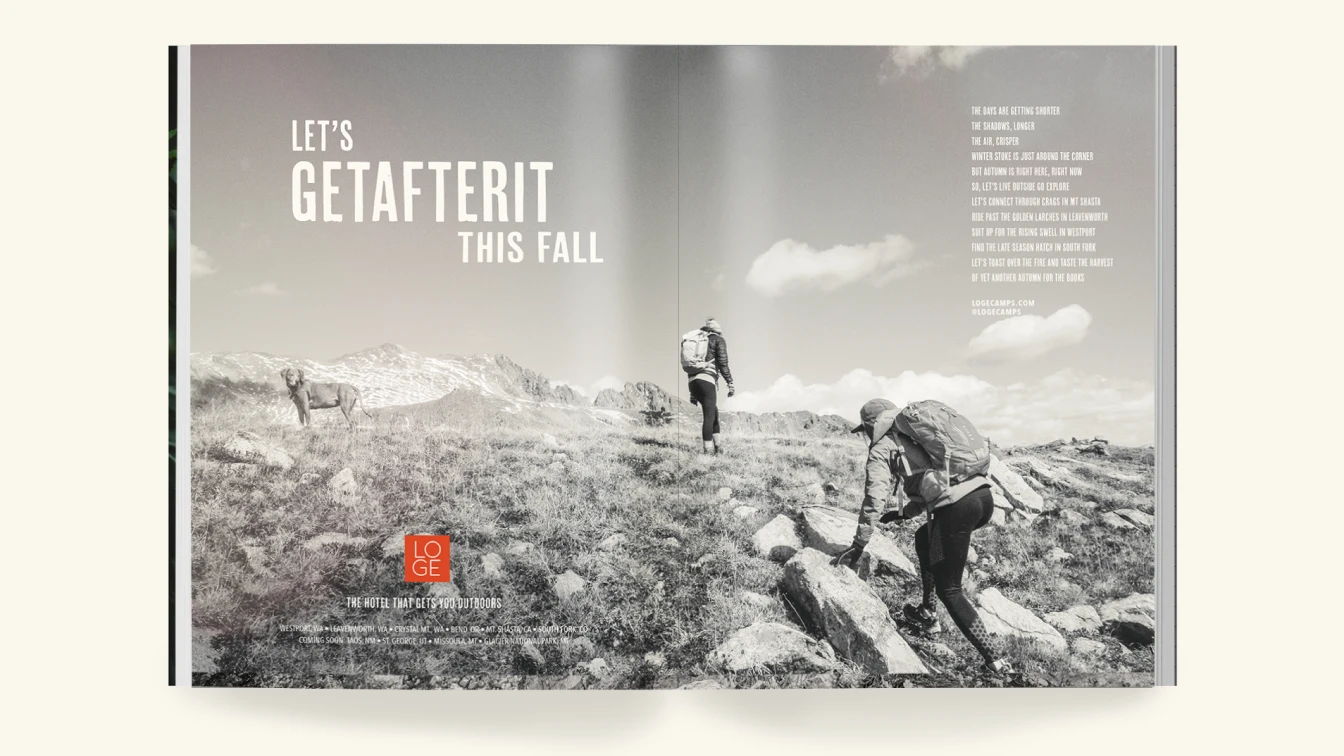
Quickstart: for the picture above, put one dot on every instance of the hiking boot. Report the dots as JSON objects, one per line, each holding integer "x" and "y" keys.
{"x": 718, "y": 444}
{"x": 1001, "y": 668}
{"x": 923, "y": 619}
{"x": 710, "y": 448}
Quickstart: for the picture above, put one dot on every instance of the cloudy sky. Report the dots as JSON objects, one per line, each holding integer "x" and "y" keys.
{"x": 815, "y": 200}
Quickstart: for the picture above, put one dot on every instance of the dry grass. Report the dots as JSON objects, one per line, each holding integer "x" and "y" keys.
{"x": 489, "y": 487}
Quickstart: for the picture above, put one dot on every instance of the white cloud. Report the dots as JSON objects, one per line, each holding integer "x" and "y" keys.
{"x": 265, "y": 289}
{"x": 201, "y": 264}
{"x": 1060, "y": 405}
{"x": 790, "y": 266}
{"x": 918, "y": 62}
{"x": 1028, "y": 336}
{"x": 606, "y": 382}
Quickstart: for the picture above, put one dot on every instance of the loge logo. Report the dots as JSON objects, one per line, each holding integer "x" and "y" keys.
{"x": 426, "y": 559}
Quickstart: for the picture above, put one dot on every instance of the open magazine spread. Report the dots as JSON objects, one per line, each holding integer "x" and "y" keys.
{"x": 594, "y": 367}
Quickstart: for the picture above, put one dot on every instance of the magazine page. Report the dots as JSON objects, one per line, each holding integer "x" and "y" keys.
{"x": 421, "y": 278}
{"x": 952, "y": 252}
{"x": 432, "y": 432}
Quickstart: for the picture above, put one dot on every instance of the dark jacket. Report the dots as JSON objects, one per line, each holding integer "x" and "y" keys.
{"x": 717, "y": 357}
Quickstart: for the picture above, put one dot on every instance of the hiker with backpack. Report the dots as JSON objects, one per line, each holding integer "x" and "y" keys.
{"x": 941, "y": 463}
{"x": 704, "y": 357}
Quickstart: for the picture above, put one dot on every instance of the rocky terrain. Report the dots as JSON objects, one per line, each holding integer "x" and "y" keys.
{"x": 663, "y": 567}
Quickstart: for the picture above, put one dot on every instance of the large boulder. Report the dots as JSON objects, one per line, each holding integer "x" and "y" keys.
{"x": 831, "y": 531}
{"x": 1003, "y": 617}
{"x": 828, "y": 530}
{"x": 772, "y": 646}
{"x": 744, "y": 512}
{"x": 836, "y": 603}
{"x": 883, "y": 557}
{"x": 1075, "y": 619}
{"x": 1131, "y": 619}
{"x": 777, "y": 539}
{"x": 249, "y": 448}
{"x": 1014, "y": 488}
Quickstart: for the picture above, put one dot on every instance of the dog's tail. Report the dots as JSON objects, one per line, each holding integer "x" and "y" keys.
{"x": 359, "y": 400}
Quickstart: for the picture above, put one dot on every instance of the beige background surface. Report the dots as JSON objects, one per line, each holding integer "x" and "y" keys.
{"x": 83, "y": 625}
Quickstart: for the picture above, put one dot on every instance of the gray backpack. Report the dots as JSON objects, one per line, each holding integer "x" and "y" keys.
{"x": 949, "y": 449}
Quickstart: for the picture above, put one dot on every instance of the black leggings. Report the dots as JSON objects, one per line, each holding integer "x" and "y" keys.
{"x": 942, "y": 560}
{"x": 706, "y": 394}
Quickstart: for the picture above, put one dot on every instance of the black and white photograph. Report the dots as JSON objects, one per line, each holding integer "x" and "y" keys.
{"x": 587, "y": 367}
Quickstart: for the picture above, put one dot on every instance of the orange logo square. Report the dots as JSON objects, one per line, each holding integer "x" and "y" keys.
{"x": 427, "y": 559}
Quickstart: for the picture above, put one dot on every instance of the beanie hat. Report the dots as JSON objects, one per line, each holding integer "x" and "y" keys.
{"x": 712, "y": 325}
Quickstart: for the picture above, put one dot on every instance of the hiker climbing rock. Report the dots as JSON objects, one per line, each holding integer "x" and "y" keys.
{"x": 704, "y": 357}
{"x": 941, "y": 463}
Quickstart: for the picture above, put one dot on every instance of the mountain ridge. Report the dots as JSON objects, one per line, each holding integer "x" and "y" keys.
{"x": 392, "y": 378}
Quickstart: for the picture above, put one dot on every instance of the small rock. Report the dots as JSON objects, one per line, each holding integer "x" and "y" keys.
{"x": 568, "y": 585}
{"x": 443, "y": 590}
{"x": 249, "y": 448}
{"x": 830, "y": 487}
{"x": 1075, "y": 619}
{"x": 492, "y": 565}
{"x": 771, "y": 646}
{"x": 755, "y": 599}
{"x": 1003, "y": 617}
{"x": 343, "y": 483}
{"x": 1137, "y": 517}
{"x": 1057, "y": 555}
{"x": 655, "y": 659}
{"x": 518, "y": 548}
{"x": 531, "y": 656}
{"x": 705, "y": 560}
{"x": 671, "y": 543}
{"x": 1131, "y": 620}
{"x": 725, "y": 493}
{"x": 1113, "y": 520}
{"x": 744, "y": 512}
{"x": 998, "y": 518}
{"x": 571, "y": 682}
{"x": 1073, "y": 518}
{"x": 777, "y": 539}
{"x": 706, "y": 684}
{"x": 598, "y": 668}
{"x": 972, "y": 556}
{"x": 578, "y": 648}
{"x": 940, "y": 650}
{"x": 309, "y": 478}
{"x": 612, "y": 541}
{"x": 1088, "y": 647}
{"x": 550, "y": 440}
{"x": 339, "y": 540}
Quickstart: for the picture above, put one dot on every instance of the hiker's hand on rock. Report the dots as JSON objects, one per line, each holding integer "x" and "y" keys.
{"x": 848, "y": 558}
{"x": 731, "y": 390}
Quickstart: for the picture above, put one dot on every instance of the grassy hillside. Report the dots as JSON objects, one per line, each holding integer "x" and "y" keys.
{"x": 273, "y": 549}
